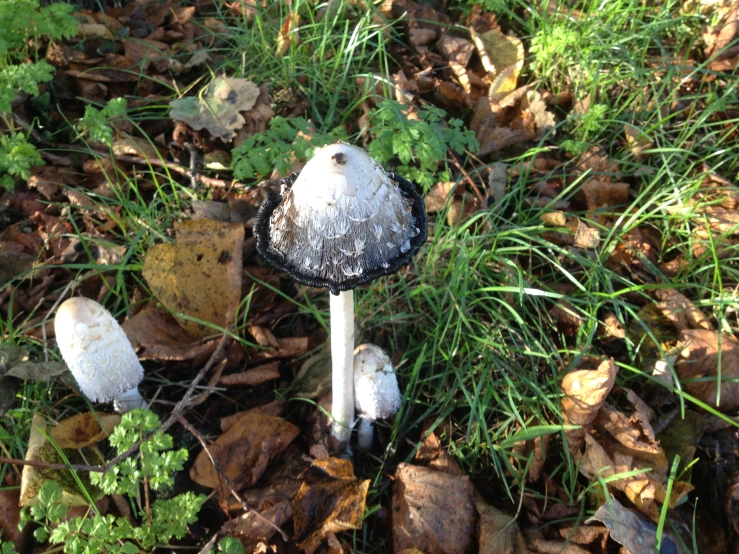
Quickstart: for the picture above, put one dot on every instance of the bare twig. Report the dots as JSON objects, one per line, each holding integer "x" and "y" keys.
{"x": 216, "y": 464}
{"x": 467, "y": 177}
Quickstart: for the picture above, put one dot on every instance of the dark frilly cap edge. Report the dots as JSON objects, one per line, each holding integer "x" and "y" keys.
{"x": 262, "y": 234}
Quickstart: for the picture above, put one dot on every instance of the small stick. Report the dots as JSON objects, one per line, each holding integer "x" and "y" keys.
{"x": 467, "y": 177}
{"x": 217, "y": 465}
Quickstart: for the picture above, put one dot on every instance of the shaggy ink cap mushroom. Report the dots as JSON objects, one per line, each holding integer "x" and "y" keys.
{"x": 342, "y": 221}
{"x": 376, "y": 391}
{"x": 99, "y": 354}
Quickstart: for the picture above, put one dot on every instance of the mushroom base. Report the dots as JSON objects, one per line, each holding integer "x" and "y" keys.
{"x": 129, "y": 400}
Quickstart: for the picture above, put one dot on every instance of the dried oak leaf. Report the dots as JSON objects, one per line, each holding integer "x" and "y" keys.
{"x": 200, "y": 274}
{"x": 585, "y": 391}
{"x": 702, "y": 350}
{"x": 244, "y": 451}
{"x": 331, "y": 499}
{"x": 433, "y": 511}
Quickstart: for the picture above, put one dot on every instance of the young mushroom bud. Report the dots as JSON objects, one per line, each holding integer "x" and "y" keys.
{"x": 98, "y": 353}
{"x": 376, "y": 392}
{"x": 343, "y": 221}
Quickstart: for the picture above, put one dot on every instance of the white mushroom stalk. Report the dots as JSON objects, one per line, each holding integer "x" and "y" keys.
{"x": 98, "y": 354}
{"x": 376, "y": 391}
{"x": 341, "y": 222}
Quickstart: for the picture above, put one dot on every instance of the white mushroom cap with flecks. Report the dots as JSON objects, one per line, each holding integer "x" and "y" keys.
{"x": 96, "y": 350}
{"x": 376, "y": 391}
{"x": 343, "y": 217}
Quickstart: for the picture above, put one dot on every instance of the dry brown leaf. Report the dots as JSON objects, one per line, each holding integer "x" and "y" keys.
{"x": 200, "y": 274}
{"x": 587, "y": 535}
{"x": 41, "y": 449}
{"x": 633, "y": 432}
{"x": 244, "y": 451}
{"x": 601, "y": 167}
{"x": 498, "y": 532}
{"x": 568, "y": 319}
{"x": 158, "y": 336}
{"x": 613, "y": 327}
{"x": 700, "y": 358}
{"x": 678, "y": 309}
{"x": 585, "y": 391}
{"x": 630, "y": 530}
{"x": 330, "y": 500}
{"x": 84, "y": 429}
{"x": 134, "y": 146}
{"x": 637, "y": 248}
{"x": 288, "y": 348}
{"x": 9, "y": 519}
{"x": 273, "y": 409}
{"x": 539, "y": 544}
{"x": 435, "y": 457}
{"x": 586, "y": 237}
{"x": 432, "y": 511}
{"x": 252, "y": 377}
{"x": 604, "y": 194}
{"x": 288, "y": 34}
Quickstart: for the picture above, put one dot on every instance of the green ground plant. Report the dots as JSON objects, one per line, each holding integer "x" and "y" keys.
{"x": 22, "y": 23}
{"x": 154, "y": 470}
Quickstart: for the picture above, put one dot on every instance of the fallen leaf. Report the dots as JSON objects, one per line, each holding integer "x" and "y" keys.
{"x": 244, "y": 452}
{"x": 200, "y": 274}
{"x": 628, "y": 529}
{"x": 10, "y": 518}
{"x": 432, "y": 511}
{"x": 498, "y": 532}
{"x": 158, "y": 336}
{"x": 288, "y": 348}
{"x": 217, "y": 110}
{"x": 585, "y": 391}
{"x": 40, "y": 449}
{"x": 500, "y": 55}
{"x": 84, "y": 430}
{"x": 288, "y": 34}
{"x": 134, "y": 146}
{"x": 702, "y": 350}
{"x": 678, "y": 309}
{"x": 252, "y": 377}
{"x": 331, "y": 499}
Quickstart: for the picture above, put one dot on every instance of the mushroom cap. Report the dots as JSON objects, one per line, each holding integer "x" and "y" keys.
{"x": 342, "y": 221}
{"x": 96, "y": 350}
{"x": 376, "y": 391}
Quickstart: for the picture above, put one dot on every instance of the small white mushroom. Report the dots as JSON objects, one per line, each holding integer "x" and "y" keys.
{"x": 98, "y": 353}
{"x": 376, "y": 392}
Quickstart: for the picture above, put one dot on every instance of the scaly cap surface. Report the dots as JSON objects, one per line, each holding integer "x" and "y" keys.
{"x": 96, "y": 350}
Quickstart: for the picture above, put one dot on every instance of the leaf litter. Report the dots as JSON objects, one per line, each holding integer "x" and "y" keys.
{"x": 195, "y": 284}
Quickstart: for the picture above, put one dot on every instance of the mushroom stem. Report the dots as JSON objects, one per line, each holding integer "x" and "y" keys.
{"x": 365, "y": 433}
{"x": 342, "y": 361}
{"x": 129, "y": 400}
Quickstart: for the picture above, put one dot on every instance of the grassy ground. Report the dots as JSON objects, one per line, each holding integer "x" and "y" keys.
{"x": 481, "y": 356}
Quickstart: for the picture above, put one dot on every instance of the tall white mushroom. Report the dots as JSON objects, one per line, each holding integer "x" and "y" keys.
{"x": 376, "y": 391}
{"x": 342, "y": 221}
{"x": 98, "y": 353}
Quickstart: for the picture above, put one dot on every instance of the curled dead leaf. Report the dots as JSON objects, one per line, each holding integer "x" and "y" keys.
{"x": 585, "y": 391}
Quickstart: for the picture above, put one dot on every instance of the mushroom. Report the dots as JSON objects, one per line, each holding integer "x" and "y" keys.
{"x": 376, "y": 392}
{"x": 98, "y": 353}
{"x": 339, "y": 223}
